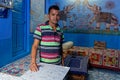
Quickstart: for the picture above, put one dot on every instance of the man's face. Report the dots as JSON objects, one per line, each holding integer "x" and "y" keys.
{"x": 53, "y": 16}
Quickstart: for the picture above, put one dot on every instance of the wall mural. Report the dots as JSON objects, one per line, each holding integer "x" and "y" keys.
{"x": 88, "y": 16}
{"x": 36, "y": 14}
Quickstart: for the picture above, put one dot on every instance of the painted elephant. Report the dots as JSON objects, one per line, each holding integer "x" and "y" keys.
{"x": 64, "y": 14}
{"x": 99, "y": 16}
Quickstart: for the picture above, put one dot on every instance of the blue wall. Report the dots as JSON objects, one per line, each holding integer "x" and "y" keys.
{"x": 87, "y": 40}
{"x": 6, "y": 38}
{"x": 81, "y": 39}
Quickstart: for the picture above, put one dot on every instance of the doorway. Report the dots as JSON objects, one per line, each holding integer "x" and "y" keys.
{"x": 19, "y": 28}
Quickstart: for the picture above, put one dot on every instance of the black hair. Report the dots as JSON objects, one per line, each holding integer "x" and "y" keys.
{"x": 53, "y": 7}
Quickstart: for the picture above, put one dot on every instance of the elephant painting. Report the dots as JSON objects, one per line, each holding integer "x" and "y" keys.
{"x": 108, "y": 18}
{"x": 64, "y": 14}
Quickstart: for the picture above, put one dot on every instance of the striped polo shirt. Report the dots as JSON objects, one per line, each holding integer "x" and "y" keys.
{"x": 50, "y": 43}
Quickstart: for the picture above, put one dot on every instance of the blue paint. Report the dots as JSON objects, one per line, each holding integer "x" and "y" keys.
{"x": 87, "y": 40}
{"x": 6, "y": 44}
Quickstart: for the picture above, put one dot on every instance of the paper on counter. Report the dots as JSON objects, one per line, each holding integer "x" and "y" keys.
{"x": 47, "y": 72}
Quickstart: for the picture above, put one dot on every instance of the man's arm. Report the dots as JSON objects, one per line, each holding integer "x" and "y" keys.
{"x": 33, "y": 65}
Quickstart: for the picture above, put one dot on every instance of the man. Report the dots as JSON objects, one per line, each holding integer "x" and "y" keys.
{"x": 49, "y": 38}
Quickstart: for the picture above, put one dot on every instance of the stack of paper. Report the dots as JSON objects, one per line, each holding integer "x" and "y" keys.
{"x": 47, "y": 72}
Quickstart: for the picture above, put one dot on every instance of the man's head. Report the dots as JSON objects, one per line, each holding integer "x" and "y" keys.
{"x": 55, "y": 7}
{"x": 53, "y": 14}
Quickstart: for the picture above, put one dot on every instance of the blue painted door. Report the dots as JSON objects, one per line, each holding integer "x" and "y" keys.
{"x": 19, "y": 27}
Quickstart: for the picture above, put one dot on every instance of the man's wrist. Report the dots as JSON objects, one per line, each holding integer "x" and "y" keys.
{"x": 33, "y": 62}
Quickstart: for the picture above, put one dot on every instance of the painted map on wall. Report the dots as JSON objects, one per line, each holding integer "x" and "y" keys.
{"x": 88, "y": 16}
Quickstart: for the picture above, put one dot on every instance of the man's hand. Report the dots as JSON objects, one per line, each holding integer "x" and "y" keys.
{"x": 33, "y": 67}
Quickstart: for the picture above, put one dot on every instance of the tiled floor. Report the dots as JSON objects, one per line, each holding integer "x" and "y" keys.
{"x": 103, "y": 74}
{"x": 19, "y": 67}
